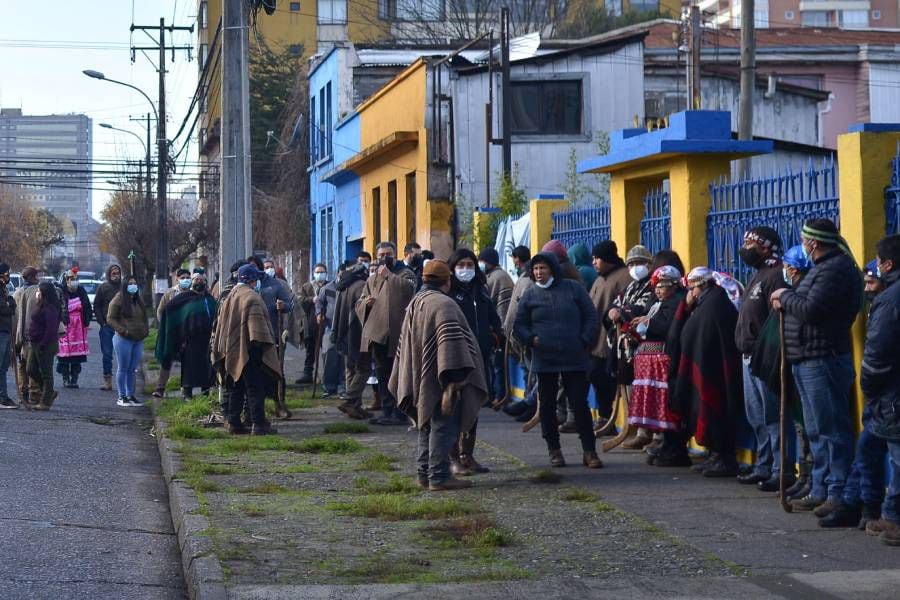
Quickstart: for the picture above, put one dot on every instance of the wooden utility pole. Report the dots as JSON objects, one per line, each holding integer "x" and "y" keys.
{"x": 235, "y": 215}
{"x": 693, "y": 75}
{"x": 748, "y": 78}
{"x": 507, "y": 94}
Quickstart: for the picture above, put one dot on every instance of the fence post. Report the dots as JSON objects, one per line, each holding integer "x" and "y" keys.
{"x": 626, "y": 209}
{"x": 480, "y": 219}
{"x": 865, "y": 154}
{"x": 689, "y": 180}
{"x": 541, "y": 210}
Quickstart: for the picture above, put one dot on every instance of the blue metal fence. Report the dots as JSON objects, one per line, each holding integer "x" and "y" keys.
{"x": 588, "y": 226}
{"x": 783, "y": 202}
{"x": 656, "y": 224}
{"x": 892, "y": 197}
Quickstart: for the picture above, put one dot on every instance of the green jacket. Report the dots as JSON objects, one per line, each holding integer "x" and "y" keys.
{"x": 132, "y": 327}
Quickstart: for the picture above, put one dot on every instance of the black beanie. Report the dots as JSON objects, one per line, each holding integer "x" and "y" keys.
{"x": 607, "y": 251}
{"x": 490, "y": 256}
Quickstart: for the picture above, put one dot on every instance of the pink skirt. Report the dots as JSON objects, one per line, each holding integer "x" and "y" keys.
{"x": 649, "y": 406}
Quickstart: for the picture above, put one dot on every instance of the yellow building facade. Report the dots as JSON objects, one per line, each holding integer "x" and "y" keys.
{"x": 404, "y": 196}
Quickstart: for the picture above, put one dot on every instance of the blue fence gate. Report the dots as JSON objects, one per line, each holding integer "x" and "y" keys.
{"x": 656, "y": 224}
{"x": 588, "y": 226}
{"x": 783, "y": 202}
{"x": 892, "y": 197}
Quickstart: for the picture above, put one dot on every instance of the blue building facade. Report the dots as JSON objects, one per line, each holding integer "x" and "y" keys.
{"x": 334, "y": 137}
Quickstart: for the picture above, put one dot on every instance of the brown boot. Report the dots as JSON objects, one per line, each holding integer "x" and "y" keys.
{"x": 458, "y": 469}
{"x": 107, "y": 383}
{"x": 880, "y": 526}
{"x": 46, "y": 403}
{"x": 591, "y": 460}
{"x": 556, "y": 458}
{"x": 448, "y": 485}
{"x": 469, "y": 462}
{"x": 263, "y": 429}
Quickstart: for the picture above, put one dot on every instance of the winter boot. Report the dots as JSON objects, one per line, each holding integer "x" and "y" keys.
{"x": 73, "y": 380}
{"x": 843, "y": 515}
{"x": 870, "y": 512}
{"x": 107, "y": 383}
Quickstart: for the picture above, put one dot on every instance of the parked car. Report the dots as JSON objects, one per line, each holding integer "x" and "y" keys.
{"x": 90, "y": 286}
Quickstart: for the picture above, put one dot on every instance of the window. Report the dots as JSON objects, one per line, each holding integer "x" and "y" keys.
{"x": 322, "y": 125}
{"x": 788, "y": 15}
{"x": 313, "y": 132}
{"x": 329, "y": 122}
{"x": 392, "y": 211}
{"x": 202, "y": 53}
{"x": 332, "y": 12}
{"x": 295, "y": 7}
{"x": 376, "y": 216}
{"x": 411, "y": 207}
{"x": 814, "y": 18}
{"x": 203, "y": 14}
{"x": 296, "y": 49}
{"x": 340, "y": 239}
{"x": 204, "y": 99}
{"x": 854, "y": 19}
{"x": 876, "y": 15}
{"x": 322, "y": 236}
{"x": 644, "y": 5}
{"x": 546, "y": 107}
{"x": 329, "y": 239}
{"x": 411, "y": 10}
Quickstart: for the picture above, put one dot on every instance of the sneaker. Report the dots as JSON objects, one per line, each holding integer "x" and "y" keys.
{"x": 591, "y": 460}
{"x": 843, "y": 515}
{"x": 132, "y": 401}
{"x": 806, "y": 503}
{"x": 8, "y": 403}
{"x": 448, "y": 485}
{"x": 557, "y": 460}
{"x": 880, "y": 526}
{"x": 159, "y": 393}
{"x": 797, "y": 487}
{"x": 826, "y": 508}
{"x": 772, "y": 484}
{"x": 123, "y": 401}
{"x": 803, "y": 490}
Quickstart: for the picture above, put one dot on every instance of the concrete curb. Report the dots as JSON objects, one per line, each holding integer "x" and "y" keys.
{"x": 203, "y": 574}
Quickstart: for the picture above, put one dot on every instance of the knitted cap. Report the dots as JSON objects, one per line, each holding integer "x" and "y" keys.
{"x": 607, "y": 251}
{"x": 490, "y": 256}
{"x": 557, "y": 248}
{"x": 638, "y": 254}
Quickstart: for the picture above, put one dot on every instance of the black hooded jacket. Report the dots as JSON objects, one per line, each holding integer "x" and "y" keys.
{"x": 481, "y": 315}
{"x": 562, "y": 318}
{"x": 105, "y": 293}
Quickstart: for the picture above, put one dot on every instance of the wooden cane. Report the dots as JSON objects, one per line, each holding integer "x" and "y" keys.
{"x": 281, "y": 409}
{"x": 318, "y": 351}
{"x": 627, "y": 429}
{"x": 782, "y": 475}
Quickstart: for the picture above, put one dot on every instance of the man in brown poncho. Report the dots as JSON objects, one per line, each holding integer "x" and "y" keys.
{"x": 244, "y": 353}
{"x": 438, "y": 377}
{"x": 380, "y": 309}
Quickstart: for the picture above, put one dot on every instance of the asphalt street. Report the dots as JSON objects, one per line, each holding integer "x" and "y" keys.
{"x": 85, "y": 509}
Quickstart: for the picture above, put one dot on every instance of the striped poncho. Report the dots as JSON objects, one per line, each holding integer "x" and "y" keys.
{"x": 437, "y": 353}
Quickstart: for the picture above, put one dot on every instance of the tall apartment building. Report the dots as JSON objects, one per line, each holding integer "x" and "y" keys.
{"x": 847, "y": 14}
{"x": 47, "y": 159}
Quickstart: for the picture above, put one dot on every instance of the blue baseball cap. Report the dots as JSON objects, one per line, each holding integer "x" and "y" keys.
{"x": 248, "y": 273}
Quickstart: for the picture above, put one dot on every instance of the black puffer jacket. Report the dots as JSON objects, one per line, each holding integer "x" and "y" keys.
{"x": 880, "y": 377}
{"x": 473, "y": 299}
{"x": 564, "y": 320}
{"x": 821, "y": 310}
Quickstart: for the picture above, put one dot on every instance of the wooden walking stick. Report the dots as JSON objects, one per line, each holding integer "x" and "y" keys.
{"x": 611, "y": 422}
{"x": 320, "y": 327}
{"x": 626, "y": 428}
{"x": 782, "y": 474}
{"x": 281, "y": 409}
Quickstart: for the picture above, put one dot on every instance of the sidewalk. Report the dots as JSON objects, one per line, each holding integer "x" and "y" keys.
{"x": 86, "y": 513}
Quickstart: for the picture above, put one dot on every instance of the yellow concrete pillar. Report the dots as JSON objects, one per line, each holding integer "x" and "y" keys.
{"x": 689, "y": 179}
{"x": 541, "y": 211}
{"x": 865, "y": 170}
{"x": 626, "y": 209}
{"x": 481, "y": 219}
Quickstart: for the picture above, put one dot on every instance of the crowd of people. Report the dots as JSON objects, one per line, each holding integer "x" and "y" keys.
{"x": 679, "y": 355}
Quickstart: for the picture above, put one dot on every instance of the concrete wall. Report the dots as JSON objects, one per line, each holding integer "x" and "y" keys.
{"x": 613, "y": 94}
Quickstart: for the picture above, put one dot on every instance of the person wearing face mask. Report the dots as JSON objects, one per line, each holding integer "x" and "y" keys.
{"x": 346, "y": 333}
{"x": 275, "y": 293}
{"x": 184, "y": 334}
{"x": 43, "y": 333}
{"x": 438, "y": 377}
{"x": 128, "y": 318}
{"x": 818, "y": 315}
{"x": 468, "y": 287}
{"x": 182, "y": 285}
{"x": 244, "y": 353}
{"x": 499, "y": 288}
{"x": 381, "y": 308}
{"x": 7, "y": 312}
{"x": 761, "y": 251}
{"x": 520, "y": 257}
{"x": 412, "y": 258}
{"x": 308, "y": 293}
{"x": 333, "y": 364}
{"x": 73, "y": 346}
{"x": 363, "y": 258}
{"x": 557, "y": 321}
{"x": 26, "y": 303}
{"x": 633, "y": 302}
{"x": 105, "y": 293}
{"x": 704, "y": 376}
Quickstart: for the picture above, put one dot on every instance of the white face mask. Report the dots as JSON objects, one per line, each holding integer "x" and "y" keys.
{"x": 464, "y": 274}
{"x": 365, "y": 263}
{"x": 639, "y": 272}
{"x": 482, "y": 265}
{"x": 544, "y": 286}
{"x": 320, "y": 276}
{"x": 270, "y": 272}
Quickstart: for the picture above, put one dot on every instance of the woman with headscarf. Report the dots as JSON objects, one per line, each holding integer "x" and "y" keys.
{"x": 184, "y": 332}
{"x": 128, "y": 318}
{"x": 468, "y": 288}
{"x": 557, "y": 320}
{"x": 705, "y": 375}
{"x": 43, "y": 331}
{"x": 73, "y": 346}
{"x": 649, "y": 406}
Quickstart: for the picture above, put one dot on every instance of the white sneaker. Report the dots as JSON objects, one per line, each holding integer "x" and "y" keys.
{"x": 134, "y": 402}
{"x": 123, "y": 401}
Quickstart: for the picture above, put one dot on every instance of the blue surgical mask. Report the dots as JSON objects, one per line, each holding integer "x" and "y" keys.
{"x": 320, "y": 276}
{"x": 465, "y": 275}
{"x": 132, "y": 288}
{"x": 787, "y": 278}
{"x": 805, "y": 252}
{"x": 258, "y": 285}
{"x": 482, "y": 265}
{"x": 184, "y": 284}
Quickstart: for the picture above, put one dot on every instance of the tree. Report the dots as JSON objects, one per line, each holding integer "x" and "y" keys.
{"x": 511, "y": 201}
{"x": 586, "y": 18}
{"x": 26, "y": 233}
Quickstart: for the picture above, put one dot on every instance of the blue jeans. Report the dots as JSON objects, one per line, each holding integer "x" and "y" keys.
{"x": 764, "y": 416}
{"x": 824, "y": 386}
{"x": 436, "y": 438}
{"x": 891, "y": 508}
{"x": 128, "y": 357}
{"x": 866, "y": 480}
{"x": 4, "y": 363}
{"x": 498, "y": 381}
{"x": 106, "y": 347}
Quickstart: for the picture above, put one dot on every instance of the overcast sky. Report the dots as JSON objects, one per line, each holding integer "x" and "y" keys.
{"x": 42, "y": 55}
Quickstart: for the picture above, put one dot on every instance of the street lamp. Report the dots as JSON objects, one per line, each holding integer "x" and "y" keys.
{"x": 162, "y": 248}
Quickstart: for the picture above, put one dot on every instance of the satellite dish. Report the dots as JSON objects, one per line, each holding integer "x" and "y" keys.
{"x": 525, "y": 46}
